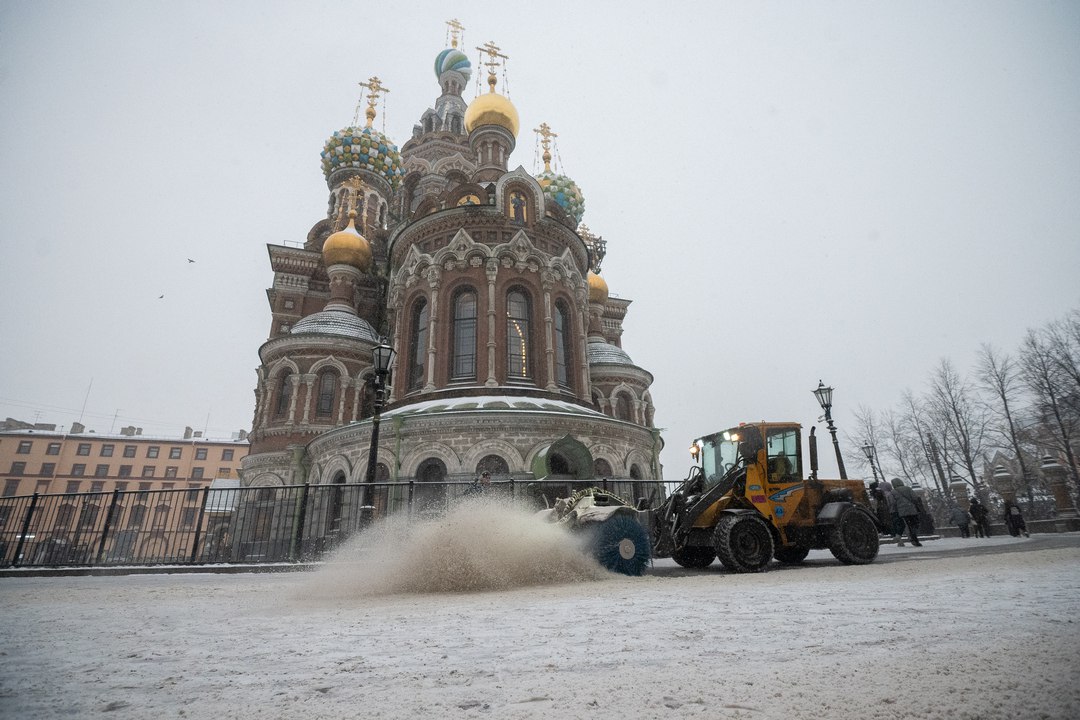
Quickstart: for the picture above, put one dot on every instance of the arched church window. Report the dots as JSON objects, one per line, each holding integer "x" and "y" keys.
{"x": 284, "y": 397}
{"x": 602, "y": 468}
{"x": 324, "y": 405}
{"x": 635, "y": 472}
{"x": 518, "y": 346}
{"x": 493, "y": 464}
{"x": 418, "y": 344}
{"x": 463, "y": 360}
{"x": 622, "y": 408}
{"x": 562, "y": 344}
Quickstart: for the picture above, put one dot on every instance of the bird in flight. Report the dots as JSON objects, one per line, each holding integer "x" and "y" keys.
{"x": 190, "y": 260}
{"x": 161, "y": 296}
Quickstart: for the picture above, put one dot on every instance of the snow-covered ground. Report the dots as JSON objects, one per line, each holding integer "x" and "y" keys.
{"x": 918, "y": 634}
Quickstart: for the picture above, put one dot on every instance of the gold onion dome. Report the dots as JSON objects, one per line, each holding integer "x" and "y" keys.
{"x": 598, "y": 289}
{"x": 347, "y": 247}
{"x": 491, "y": 109}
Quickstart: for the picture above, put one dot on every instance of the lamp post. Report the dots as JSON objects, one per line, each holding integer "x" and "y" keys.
{"x": 824, "y": 397}
{"x": 869, "y": 452}
{"x": 382, "y": 358}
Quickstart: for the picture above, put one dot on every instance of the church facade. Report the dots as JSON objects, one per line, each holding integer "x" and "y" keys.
{"x": 487, "y": 286}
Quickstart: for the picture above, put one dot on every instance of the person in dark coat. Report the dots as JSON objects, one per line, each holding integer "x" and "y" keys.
{"x": 980, "y": 517}
{"x": 881, "y": 506}
{"x": 907, "y": 507}
{"x": 1014, "y": 520}
{"x": 480, "y": 485}
{"x": 961, "y": 519}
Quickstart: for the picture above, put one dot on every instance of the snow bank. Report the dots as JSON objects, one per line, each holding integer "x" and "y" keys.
{"x": 918, "y": 634}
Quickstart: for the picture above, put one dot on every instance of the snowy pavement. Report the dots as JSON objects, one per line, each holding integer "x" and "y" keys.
{"x": 919, "y": 634}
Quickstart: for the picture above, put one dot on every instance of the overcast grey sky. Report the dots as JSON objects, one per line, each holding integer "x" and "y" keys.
{"x": 790, "y": 191}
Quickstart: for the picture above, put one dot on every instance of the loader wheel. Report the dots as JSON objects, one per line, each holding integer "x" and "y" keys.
{"x": 853, "y": 540}
{"x": 695, "y": 558}
{"x": 743, "y": 543}
{"x": 621, "y": 545}
{"x": 792, "y": 554}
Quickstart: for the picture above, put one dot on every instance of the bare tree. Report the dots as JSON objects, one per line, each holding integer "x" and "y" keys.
{"x": 999, "y": 376}
{"x": 916, "y": 434}
{"x": 1051, "y": 385}
{"x": 963, "y": 416}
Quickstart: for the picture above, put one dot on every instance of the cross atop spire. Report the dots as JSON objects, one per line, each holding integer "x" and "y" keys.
{"x": 456, "y": 30}
{"x": 375, "y": 89}
{"x": 545, "y": 133}
{"x": 492, "y": 62}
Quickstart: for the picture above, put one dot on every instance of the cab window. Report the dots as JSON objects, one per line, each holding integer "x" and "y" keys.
{"x": 782, "y": 448}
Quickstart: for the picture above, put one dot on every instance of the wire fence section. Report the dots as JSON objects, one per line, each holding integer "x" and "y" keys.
{"x": 240, "y": 525}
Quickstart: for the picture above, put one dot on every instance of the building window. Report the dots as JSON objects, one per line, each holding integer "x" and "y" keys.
{"x": 137, "y": 516}
{"x": 168, "y": 486}
{"x": 187, "y": 517}
{"x": 200, "y": 453}
{"x": 418, "y": 343}
{"x": 324, "y": 405}
{"x": 196, "y": 473}
{"x": 101, "y": 471}
{"x": 601, "y": 468}
{"x": 193, "y": 492}
{"x": 125, "y": 471}
{"x": 97, "y": 486}
{"x": 635, "y": 472}
{"x": 562, "y": 344}
{"x": 170, "y": 471}
{"x": 224, "y": 472}
{"x": 18, "y": 468}
{"x": 88, "y": 515}
{"x": 284, "y": 394}
{"x": 11, "y": 487}
{"x": 161, "y": 515}
{"x": 72, "y": 487}
{"x": 148, "y": 471}
{"x": 493, "y": 464}
{"x": 121, "y": 486}
{"x": 227, "y": 454}
{"x": 78, "y": 469}
{"x": 463, "y": 363}
{"x": 42, "y": 487}
{"x": 48, "y": 469}
{"x": 52, "y": 449}
{"x": 153, "y": 451}
{"x": 107, "y": 450}
{"x": 83, "y": 449}
{"x": 24, "y": 447}
{"x": 64, "y": 515}
{"x": 622, "y": 408}
{"x": 518, "y": 349}
{"x": 175, "y": 453}
{"x": 129, "y": 451}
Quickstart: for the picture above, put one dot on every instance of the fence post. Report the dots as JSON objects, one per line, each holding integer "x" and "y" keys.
{"x": 108, "y": 523}
{"x": 198, "y": 525}
{"x": 25, "y": 529}
{"x": 409, "y": 502}
{"x": 298, "y": 524}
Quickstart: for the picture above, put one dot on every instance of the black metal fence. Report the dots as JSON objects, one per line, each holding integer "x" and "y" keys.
{"x": 238, "y": 525}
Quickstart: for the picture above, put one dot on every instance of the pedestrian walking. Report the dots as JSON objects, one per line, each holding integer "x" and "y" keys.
{"x": 980, "y": 516}
{"x": 881, "y": 506}
{"x": 907, "y": 507}
{"x": 961, "y": 519}
{"x": 479, "y": 485}
{"x": 895, "y": 525}
{"x": 1014, "y": 520}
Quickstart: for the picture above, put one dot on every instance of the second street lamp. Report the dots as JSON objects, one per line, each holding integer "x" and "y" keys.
{"x": 824, "y": 397}
{"x": 870, "y": 452}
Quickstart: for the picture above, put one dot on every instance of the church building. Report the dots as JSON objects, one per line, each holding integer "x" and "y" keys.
{"x": 481, "y": 277}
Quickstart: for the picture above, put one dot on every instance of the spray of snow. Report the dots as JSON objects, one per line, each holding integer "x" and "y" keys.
{"x": 481, "y": 545}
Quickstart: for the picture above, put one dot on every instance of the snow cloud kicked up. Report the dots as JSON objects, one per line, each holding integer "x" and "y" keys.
{"x": 478, "y": 546}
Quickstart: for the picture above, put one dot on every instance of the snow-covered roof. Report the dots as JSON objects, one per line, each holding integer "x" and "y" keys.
{"x": 506, "y": 403}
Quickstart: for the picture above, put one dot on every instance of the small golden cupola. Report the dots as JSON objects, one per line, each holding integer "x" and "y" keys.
{"x": 492, "y": 108}
{"x": 348, "y": 246}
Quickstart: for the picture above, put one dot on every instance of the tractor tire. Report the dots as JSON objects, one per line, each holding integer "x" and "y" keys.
{"x": 853, "y": 540}
{"x": 695, "y": 558}
{"x": 743, "y": 543}
{"x": 621, "y": 545}
{"x": 792, "y": 554}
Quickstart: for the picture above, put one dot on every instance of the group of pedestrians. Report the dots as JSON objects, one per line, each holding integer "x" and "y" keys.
{"x": 898, "y": 509}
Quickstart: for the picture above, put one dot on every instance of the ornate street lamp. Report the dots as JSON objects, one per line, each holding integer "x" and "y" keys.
{"x": 824, "y": 397}
{"x": 382, "y": 358}
{"x": 869, "y": 452}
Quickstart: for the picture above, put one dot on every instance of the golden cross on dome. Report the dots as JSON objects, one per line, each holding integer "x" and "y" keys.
{"x": 492, "y": 62}
{"x": 354, "y": 188}
{"x": 597, "y": 246}
{"x": 456, "y": 30}
{"x": 544, "y": 131}
{"x": 375, "y": 89}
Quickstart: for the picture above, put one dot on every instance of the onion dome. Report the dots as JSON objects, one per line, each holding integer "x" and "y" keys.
{"x": 491, "y": 109}
{"x": 347, "y": 247}
{"x": 452, "y": 59}
{"x": 599, "y": 352}
{"x": 363, "y": 149}
{"x": 341, "y": 323}
{"x": 598, "y": 289}
{"x": 565, "y": 192}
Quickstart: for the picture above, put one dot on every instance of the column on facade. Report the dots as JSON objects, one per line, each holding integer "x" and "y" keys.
{"x": 491, "y": 269}
{"x": 549, "y": 346}
{"x": 960, "y": 494}
{"x": 582, "y": 342}
{"x": 1068, "y": 519}
{"x": 1004, "y": 483}
{"x": 343, "y": 386}
{"x": 434, "y": 276}
{"x": 309, "y": 383}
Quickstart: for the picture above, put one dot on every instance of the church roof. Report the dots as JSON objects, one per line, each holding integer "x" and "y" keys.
{"x": 606, "y": 354}
{"x": 336, "y": 322}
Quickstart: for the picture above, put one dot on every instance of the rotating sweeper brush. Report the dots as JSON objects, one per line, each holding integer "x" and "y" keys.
{"x": 608, "y": 526}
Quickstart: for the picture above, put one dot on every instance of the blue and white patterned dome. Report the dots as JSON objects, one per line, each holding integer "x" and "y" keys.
{"x": 362, "y": 149}
{"x": 452, "y": 59}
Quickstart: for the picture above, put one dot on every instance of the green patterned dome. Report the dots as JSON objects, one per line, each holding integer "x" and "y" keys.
{"x": 565, "y": 192}
{"x": 362, "y": 149}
